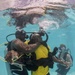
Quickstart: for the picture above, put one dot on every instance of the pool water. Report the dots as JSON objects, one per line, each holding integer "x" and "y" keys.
{"x": 64, "y": 35}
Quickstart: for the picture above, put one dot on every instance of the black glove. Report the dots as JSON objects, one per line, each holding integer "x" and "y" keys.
{"x": 54, "y": 51}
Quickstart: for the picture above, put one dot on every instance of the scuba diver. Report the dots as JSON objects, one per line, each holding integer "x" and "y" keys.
{"x": 64, "y": 55}
{"x": 41, "y": 52}
{"x": 18, "y": 68}
{"x": 41, "y": 59}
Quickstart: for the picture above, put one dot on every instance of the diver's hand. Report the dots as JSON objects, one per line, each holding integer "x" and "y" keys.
{"x": 67, "y": 65}
{"x": 11, "y": 56}
{"x": 64, "y": 63}
{"x": 61, "y": 62}
{"x": 8, "y": 57}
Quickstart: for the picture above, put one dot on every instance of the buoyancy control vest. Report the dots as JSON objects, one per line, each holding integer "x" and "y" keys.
{"x": 41, "y": 57}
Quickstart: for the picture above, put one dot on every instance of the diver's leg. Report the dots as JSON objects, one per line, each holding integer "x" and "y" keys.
{"x": 18, "y": 71}
{"x": 66, "y": 71}
{"x": 60, "y": 70}
{"x": 63, "y": 71}
{"x": 25, "y": 71}
{"x": 58, "y": 74}
{"x": 48, "y": 74}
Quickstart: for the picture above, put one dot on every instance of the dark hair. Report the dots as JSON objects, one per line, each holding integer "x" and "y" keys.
{"x": 62, "y": 45}
{"x": 22, "y": 32}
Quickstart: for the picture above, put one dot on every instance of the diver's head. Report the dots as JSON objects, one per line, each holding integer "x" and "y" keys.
{"x": 62, "y": 48}
{"x": 35, "y": 37}
{"x": 21, "y": 35}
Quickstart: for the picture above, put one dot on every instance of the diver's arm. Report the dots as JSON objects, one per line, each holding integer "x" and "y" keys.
{"x": 57, "y": 60}
{"x": 31, "y": 47}
{"x": 68, "y": 60}
{"x": 67, "y": 64}
{"x": 24, "y": 48}
{"x": 11, "y": 55}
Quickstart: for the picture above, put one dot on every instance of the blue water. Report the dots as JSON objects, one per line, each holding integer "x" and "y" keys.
{"x": 65, "y": 35}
